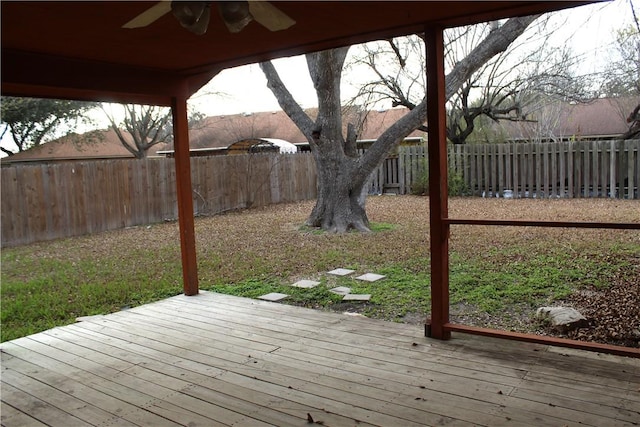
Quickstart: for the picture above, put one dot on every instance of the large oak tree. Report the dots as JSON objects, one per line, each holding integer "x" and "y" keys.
{"x": 343, "y": 174}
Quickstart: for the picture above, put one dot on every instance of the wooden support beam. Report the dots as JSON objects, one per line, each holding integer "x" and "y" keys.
{"x": 546, "y": 340}
{"x": 550, "y": 224}
{"x": 185, "y": 199}
{"x": 439, "y": 229}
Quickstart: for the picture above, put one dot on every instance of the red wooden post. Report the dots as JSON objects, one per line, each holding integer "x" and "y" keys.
{"x": 439, "y": 229}
{"x": 185, "y": 200}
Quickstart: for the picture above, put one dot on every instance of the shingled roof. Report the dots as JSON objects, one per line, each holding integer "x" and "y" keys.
{"x": 222, "y": 131}
{"x": 94, "y": 145}
{"x": 601, "y": 118}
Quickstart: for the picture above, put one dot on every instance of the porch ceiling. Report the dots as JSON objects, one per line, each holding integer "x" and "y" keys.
{"x": 80, "y": 50}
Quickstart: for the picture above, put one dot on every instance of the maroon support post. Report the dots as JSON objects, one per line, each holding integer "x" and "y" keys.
{"x": 438, "y": 208}
{"x": 185, "y": 200}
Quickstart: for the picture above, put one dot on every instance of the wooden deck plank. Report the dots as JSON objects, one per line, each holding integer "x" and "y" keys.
{"x": 180, "y": 342}
{"x": 488, "y": 350}
{"x": 402, "y": 390}
{"x": 356, "y": 345}
{"x": 11, "y": 416}
{"x": 326, "y": 404}
{"x": 166, "y": 402}
{"x": 67, "y": 402}
{"x": 128, "y": 406}
{"x": 153, "y": 370}
{"x": 35, "y": 408}
{"x": 441, "y": 396}
{"x": 218, "y": 360}
{"x": 584, "y": 411}
{"x": 290, "y": 332}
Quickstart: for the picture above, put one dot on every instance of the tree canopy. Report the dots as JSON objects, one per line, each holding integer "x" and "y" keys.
{"x": 145, "y": 126}
{"x": 33, "y": 121}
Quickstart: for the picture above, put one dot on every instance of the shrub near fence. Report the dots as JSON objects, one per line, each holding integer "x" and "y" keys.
{"x": 48, "y": 201}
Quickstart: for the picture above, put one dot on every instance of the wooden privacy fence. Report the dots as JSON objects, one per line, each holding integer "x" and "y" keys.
{"x": 571, "y": 169}
{"x": 48, "y": 201}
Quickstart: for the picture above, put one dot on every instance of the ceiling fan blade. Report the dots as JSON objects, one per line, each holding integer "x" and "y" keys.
{"x": 270, "y": 16}
{"x": 150, "y": 15}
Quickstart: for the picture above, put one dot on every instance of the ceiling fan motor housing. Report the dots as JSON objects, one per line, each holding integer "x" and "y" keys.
{"x": 192, "y": 15}
{"x": 235, "y": 14}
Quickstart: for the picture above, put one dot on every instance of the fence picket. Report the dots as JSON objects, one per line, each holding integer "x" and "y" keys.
{"x": 633, "y": 165}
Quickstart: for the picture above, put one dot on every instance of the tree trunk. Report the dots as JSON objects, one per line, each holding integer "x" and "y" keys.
{"x": 340, "y": 206}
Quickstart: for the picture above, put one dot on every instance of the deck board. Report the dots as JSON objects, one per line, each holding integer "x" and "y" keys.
{"x": 218, "y": 360}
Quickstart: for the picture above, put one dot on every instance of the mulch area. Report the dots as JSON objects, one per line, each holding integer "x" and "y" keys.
{"x": 613, "y": 313}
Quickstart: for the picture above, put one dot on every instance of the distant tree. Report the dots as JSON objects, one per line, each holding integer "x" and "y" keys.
{"x": 622, "y": 76}
{"x": 246, "y": 128}
{"x": 504, "y": 88}
{"x": 146, "y": 126}
{"x": 34, "y": 121}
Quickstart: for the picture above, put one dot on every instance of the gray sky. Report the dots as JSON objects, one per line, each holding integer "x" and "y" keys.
{"x": 590, "y": 29}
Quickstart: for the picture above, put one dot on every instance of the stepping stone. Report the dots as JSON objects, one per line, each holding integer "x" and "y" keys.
{"x": 341, "y": 272}
{"x": 357, "y": 297}
{"x": 340, "y": 290}
{"x": 352, "y": 314}
{"x": 273, "y": 296}
{"x": 370, "y": 277}
{"x": 306, "y": 284}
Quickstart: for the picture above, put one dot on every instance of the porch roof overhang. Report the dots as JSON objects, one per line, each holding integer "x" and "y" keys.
{"x": 79, "y": 50}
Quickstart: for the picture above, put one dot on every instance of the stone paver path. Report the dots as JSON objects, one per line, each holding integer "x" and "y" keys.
{"x": 357, "y": 297}
{"x": 371, "y": 277}
{"x": 273, "y": 296}
{"x": 341, "y": 272}
{"x": 306, "y": 284}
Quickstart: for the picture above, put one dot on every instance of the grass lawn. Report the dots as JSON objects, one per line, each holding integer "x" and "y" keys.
{"x": 499, "y": 275}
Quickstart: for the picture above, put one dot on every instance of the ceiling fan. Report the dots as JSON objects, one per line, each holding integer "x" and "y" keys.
{"x": 195, "y": 15}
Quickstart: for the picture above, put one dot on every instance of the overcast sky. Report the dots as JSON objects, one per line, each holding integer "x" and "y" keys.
{"x": 243, "y": 89}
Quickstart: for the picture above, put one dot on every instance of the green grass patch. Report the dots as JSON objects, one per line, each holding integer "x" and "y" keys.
{"x": 56, "y": 292}
{"x": 503, "y": 278}
{"x": 374, "y": 226}
{"x": 312, "y": 298}
{"x": 381, "y": 226}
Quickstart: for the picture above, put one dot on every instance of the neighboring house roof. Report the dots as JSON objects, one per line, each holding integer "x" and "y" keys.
{"x": 222, "y": 131}
{"x": 600, "y": 118}
{"x": 209, "y": 136}
{"x": 94, "y": 145}
{"x": 283, "y": 147}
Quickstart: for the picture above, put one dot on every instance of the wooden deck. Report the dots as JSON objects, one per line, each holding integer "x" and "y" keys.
{"x": 217, "y": 360}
